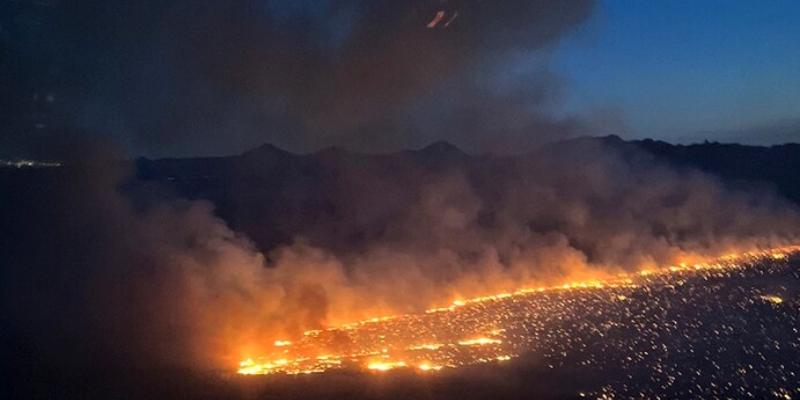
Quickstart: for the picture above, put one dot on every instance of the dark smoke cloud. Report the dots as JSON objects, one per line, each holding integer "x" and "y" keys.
{"x": 187, "y": 77}
{"x": 470, "y": 226}
{"x": 99, "y": 268}
{"x": 90, "y": 282}
{"x": 102, "y": 269}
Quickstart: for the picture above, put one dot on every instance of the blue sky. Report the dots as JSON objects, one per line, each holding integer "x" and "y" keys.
{"x": 689, "y": 70}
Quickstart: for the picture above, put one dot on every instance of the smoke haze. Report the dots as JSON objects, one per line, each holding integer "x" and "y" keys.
{"x": 208, "y": 260}
{"x": 104, "y": 267}
{"x": 210, "y": 77}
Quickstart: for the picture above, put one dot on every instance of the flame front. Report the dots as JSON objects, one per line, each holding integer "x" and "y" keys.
{"x": 487, "y": 329}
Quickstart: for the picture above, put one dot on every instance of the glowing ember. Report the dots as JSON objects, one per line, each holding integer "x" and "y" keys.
{"x": 380, "y": 366}
{"x": 479, "y": 341}
{"x": 499, "y": 327}
{"x": 772, "y": 299}
{"x": 428, "y": 367}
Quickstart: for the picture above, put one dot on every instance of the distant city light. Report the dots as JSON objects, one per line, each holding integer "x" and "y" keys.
{"x": 28, "y": 164}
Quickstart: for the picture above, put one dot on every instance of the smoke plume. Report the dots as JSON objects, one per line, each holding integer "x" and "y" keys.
{"x": 102, "y": 268}
{"x": 211, "y": 77}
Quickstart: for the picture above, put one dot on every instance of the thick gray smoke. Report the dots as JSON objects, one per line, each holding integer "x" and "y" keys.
{"x": 101, "y": 268}
{"x": 408, "y": 237}
{"x": 218, "y": 77}
{"x": 101, "y": 271}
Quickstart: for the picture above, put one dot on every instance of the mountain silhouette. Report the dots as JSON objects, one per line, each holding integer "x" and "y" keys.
{"x": 300, "y": 193}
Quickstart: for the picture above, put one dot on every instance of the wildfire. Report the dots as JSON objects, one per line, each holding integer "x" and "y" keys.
{"x": 470, "y": 331}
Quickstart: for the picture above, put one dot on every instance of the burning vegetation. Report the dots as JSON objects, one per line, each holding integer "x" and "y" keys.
{"x": 551, "y": 257}
{"x": 561, "y": 323}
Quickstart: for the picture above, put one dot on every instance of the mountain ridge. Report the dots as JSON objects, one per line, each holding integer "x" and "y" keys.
{"x": 298, "y": 192}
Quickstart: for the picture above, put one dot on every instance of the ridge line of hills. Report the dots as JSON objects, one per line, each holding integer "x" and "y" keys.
{"x": 777, "y": 166}
{"x": 273, "y": 195}
{"x": 300, "y": 192}
{"x": 443, "y": 146}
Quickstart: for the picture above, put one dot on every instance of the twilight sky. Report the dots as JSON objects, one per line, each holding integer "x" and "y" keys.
{"x": 689, "y": 70}
{"x": 185, "y": 78}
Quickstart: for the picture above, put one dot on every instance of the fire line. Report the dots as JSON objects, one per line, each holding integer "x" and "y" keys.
{"x": 487, "y": 329}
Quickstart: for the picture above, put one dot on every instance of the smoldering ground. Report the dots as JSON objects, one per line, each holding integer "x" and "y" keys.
{"x": 103, "y": 268}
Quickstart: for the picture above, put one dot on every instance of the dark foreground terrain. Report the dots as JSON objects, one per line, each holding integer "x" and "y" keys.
{"x": 721, "y": 333}
{"x": 483, "y": 382}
